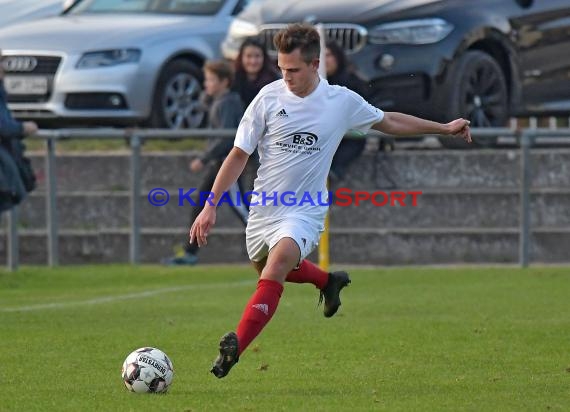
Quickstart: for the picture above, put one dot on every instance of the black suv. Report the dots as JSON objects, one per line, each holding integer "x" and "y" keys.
{"x": 486, "y": 60}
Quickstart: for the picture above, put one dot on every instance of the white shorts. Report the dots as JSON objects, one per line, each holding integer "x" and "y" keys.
{"x": 262, "y": 234}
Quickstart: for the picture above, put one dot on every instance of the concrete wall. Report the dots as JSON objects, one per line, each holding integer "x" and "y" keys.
{"x": 468, "y": 210}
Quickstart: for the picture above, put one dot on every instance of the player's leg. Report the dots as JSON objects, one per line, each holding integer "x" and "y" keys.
{"x": 307, "y": 234}
{"x": 257, "y": 235}
{"x": 308, "y": 272}
{"x": 229, "y": 343}
{"x": 329, "y": 284}
{"x": 282, "y": 258}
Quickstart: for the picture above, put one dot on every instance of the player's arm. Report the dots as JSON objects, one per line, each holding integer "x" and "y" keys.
{"x": 400, "y": 124}
{"x": 228, "y": 174}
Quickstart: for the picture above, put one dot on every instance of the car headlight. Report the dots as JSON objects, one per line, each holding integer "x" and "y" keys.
{"x": 421, "y": 31}
{"x": 241, "y": 29}
{"x": 106, "y": 58}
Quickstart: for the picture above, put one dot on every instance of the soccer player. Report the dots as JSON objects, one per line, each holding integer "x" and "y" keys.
{"x": 296, "y": 124}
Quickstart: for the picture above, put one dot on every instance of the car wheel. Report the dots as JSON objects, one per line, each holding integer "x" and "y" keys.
{"x": 478, "y": 92}
{"x": 176, "y": 98}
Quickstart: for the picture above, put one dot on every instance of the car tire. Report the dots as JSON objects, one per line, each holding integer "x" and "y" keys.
{"x": 176, "y": 102}
{"x": 478, "y": 92}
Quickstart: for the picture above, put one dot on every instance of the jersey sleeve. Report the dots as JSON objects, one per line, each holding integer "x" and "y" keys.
{"x": 251, "y": 127}
{"x": 362, "y": 114}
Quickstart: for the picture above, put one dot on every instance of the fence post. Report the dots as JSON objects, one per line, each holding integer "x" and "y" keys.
{"x": 51, "y": 204}
{"x": 324, "y": 248}
{"x": 134, "y": 243}
{"x": 524, "y": 212}
{"x": 13, "y": 243}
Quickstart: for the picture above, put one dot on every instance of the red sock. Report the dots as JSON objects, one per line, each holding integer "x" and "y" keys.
{"x": 308, "y": 273}
{"x": 258, "y": 311}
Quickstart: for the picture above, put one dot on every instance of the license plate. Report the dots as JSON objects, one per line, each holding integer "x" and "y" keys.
{"x": 26, "y": 84}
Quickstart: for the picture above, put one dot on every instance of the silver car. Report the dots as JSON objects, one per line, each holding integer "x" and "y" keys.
{"x": 115, "y": 62}
{"x": 16, "y": 11}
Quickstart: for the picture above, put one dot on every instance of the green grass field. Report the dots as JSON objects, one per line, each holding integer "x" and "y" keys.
{"x": 461, "y": 339}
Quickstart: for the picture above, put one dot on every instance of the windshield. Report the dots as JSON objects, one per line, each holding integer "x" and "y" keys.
{"x": 197, "y": 7}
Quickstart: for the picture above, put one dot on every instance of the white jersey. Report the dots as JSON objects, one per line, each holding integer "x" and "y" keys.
{"x": 296, "y": 138}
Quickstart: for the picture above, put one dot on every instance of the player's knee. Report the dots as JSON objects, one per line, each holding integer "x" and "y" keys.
{"x": 276, "y": 271}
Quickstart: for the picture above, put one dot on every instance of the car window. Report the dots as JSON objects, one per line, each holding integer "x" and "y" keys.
{"x": 197, "y": 7}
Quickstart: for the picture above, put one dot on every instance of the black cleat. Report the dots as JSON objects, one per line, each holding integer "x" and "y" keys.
{"x": 228, "y": 356}
{"x": 331, "y": 292}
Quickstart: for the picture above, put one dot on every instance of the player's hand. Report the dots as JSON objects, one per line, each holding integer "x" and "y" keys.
{"x": 460, "y": 128}
{"x": 196, "y": 165}
{"x": 202, "y": 225}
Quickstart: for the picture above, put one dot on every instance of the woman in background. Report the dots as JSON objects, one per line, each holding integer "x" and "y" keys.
{"x": 253, "y": 70}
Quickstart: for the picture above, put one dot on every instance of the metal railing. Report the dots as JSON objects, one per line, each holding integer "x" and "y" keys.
{"x": 136, "y": 137}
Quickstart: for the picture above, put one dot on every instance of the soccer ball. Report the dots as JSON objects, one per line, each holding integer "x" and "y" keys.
{"x": 147, "y": 370}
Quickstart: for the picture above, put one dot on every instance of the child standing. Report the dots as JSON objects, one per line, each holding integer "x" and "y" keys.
{"x": 225, "y": 110}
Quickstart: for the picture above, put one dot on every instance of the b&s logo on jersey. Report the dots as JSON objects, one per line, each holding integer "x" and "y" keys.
{"x": 307, "y": 139}
{"x": 300, "y": 142}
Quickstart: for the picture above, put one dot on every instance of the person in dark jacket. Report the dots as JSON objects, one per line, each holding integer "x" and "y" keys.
{"x": 225, "y": 110}
{"x": 253, "y": 70}
{"x": 340, "y": 73}
{"x": 16, "y": 176}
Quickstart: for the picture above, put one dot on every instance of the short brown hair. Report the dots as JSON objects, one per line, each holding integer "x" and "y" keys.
{"x": 222, "y": 69}
{"x": 301, "y": 36}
